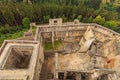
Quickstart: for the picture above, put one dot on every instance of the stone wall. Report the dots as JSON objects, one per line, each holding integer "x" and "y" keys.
{"x": 102, "y": 51}
{"x": 21, "y": 59}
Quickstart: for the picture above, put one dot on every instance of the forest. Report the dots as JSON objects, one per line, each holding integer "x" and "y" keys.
{"x": 15, "y": 15}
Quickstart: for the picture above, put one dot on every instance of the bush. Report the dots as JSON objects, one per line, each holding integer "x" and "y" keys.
{"x": 79, "y": 17}
{"x": 46, "y": 19}
{"x": 26, "y": 22}
{"x": 99, "y": 20}
{"x": 111, "y": 24}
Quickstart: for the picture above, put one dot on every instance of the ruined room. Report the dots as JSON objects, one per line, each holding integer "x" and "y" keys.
{"x": 85, "y": 52}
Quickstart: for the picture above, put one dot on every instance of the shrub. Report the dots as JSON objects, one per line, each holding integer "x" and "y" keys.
{"x": 26, "y": 22}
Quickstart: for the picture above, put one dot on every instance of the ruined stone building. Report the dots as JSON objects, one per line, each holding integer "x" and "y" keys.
{"x": 86, "y": 51}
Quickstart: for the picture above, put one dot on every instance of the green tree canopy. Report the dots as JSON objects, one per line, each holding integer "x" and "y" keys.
{"x": 99, "y": 19}
{"x": 111, "y": 24}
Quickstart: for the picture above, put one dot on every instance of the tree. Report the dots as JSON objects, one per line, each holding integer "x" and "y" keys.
{"x": 46, "y": 19}
{"x": 111, "y": 24}
{"x": 93, "y": 3}
{"x": 64, "y": 18}
{"x": 99, "y": 20}
{"x": 79, "y": 17}
{"x": 110, "y": 7}
{"x": 118, "y": 9}
{"x": 88, "y": 20}
{"x": 26, "y": 22}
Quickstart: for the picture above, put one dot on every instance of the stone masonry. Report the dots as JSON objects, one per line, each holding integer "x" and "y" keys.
{"x": 87, "y": 51}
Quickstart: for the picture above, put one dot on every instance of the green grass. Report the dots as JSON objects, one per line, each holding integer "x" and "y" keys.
{"x": 57, "y": 44}
{"x": 48, "y": 45}
{"x": 17, "y": 33}
{"x": 9, "y": 36}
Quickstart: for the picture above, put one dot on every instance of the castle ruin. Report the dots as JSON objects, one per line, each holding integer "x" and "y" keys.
{"x": 86, "y": 51}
